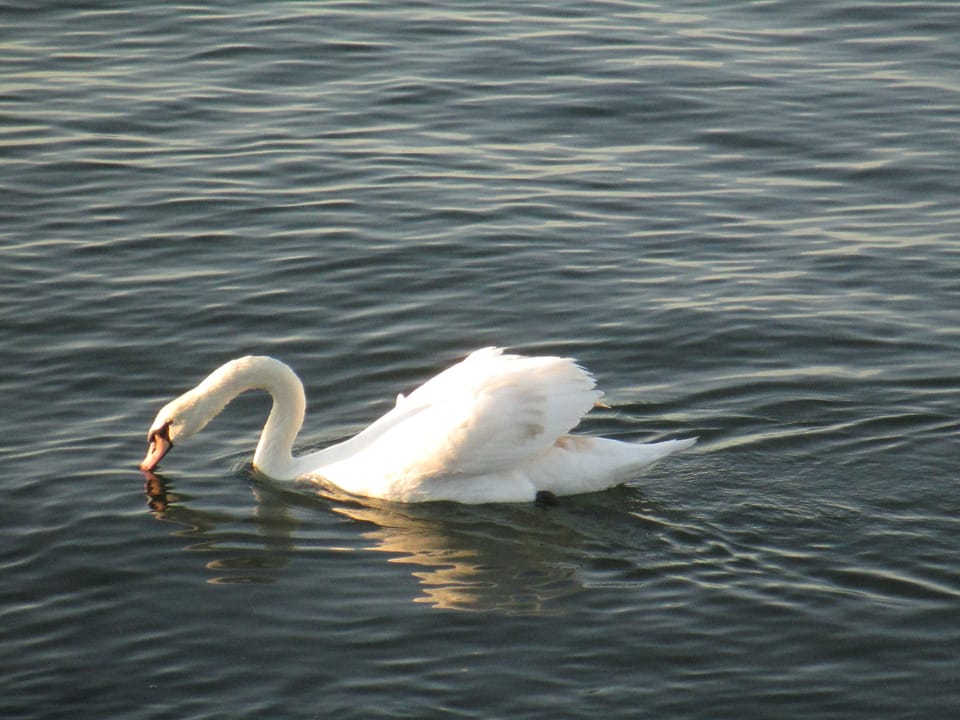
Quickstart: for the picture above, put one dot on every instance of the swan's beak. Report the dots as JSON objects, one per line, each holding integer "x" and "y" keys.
{"x": 159, "y": 446}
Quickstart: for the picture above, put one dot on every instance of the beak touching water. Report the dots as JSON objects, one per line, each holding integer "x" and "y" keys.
{"x": 159, "y": 446}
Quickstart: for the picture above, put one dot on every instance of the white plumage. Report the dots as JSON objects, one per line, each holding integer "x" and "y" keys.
{"x": 492, "y": 428}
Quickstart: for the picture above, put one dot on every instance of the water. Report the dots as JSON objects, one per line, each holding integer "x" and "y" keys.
{"x": 742, "y": 217}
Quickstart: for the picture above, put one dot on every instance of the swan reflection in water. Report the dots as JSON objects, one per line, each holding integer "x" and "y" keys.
{"x": 510, "y": 558}
{"x": 246, "y": 565}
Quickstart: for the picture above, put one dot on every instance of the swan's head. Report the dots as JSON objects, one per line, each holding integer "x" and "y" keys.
{"x": 189, "y": 413}
{"x": 178, "y": 420}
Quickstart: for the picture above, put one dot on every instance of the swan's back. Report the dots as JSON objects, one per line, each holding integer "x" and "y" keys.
{"x": 491, "y": 413}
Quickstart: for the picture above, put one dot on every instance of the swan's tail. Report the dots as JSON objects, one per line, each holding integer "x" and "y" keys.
{"x": 655, "y": 451}
{"x": 582, "y": 463}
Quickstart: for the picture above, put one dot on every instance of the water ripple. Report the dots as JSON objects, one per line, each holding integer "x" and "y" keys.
{"x": 742, "y": 218}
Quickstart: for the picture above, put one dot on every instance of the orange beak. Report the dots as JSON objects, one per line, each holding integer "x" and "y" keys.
{"x": 159, "y": 446}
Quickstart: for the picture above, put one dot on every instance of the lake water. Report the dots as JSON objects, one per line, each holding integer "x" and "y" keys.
{"x": 742, "y": 217}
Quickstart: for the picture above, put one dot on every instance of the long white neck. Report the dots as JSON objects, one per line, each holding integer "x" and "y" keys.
{"x": 273, "y": 456}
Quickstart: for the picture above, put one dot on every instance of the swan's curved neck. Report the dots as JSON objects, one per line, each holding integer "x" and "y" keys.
{"x": 273, "y": 456}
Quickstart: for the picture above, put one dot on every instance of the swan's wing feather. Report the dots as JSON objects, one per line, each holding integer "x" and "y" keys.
{"x": 490, "y": 413}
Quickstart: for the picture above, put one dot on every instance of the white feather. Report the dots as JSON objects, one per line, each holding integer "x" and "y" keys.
{"x": 492, "y": 428}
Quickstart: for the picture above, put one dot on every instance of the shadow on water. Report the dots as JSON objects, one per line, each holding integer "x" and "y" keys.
{"x": 506, "y": 558}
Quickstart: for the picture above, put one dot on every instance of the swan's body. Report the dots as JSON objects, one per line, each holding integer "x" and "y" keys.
{"x": 492, "y": 428}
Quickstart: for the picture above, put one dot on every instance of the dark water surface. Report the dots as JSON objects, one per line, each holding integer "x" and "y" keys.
{"x": 743, "y": 217}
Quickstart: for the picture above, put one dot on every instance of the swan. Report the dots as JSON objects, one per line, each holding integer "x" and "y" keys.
{"x": 491, "y": 428}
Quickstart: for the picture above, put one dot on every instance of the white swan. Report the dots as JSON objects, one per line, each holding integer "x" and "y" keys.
{"x": 492, "y": 428}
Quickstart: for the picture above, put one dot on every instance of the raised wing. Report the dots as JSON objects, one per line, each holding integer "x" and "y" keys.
{"x": 488, "y": 414}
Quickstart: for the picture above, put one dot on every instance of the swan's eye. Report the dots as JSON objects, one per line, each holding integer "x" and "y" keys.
{"x": 162, "y": 434}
